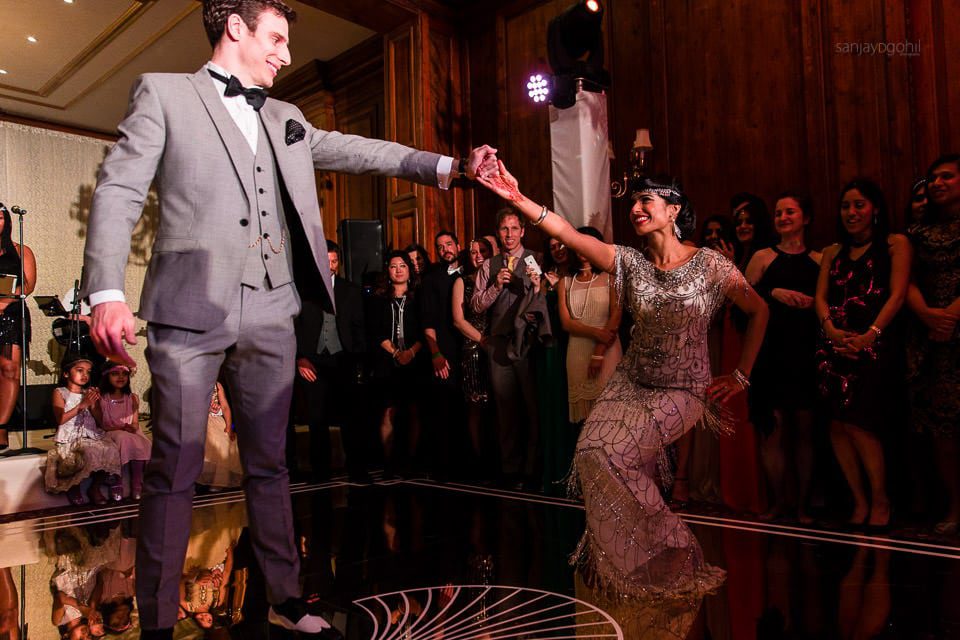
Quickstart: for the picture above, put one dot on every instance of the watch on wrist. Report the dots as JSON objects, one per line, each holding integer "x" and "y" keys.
{"x": 462, "y": 167}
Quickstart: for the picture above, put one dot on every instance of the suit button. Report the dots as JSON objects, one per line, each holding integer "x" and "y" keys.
{"x": 261, "y": 191}
{"x": 259, "y": 169}
{"x": 244, "y": 222}
{"x": 266, "y": 236}
{"x": 263, "y": 213}
{"x": 266, "y": 257}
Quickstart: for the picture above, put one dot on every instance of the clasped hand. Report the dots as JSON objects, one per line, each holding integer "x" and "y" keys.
{"x": 849, "y": 343}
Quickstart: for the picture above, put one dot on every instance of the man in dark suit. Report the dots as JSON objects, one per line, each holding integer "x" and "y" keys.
{"x": 443, "y": 414}
{"x": 239, "y": 224}
{"x": 330, "y": 352}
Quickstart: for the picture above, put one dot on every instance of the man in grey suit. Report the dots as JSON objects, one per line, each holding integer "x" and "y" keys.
{"x": 239, "y": 222}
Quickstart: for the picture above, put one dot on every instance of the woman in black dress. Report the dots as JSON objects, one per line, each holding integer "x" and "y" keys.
{"x": 862, "y": 285}
{"x": 399, "y": 370}
{"x": 13, "y": 314}
{"x": 784, "y": 383}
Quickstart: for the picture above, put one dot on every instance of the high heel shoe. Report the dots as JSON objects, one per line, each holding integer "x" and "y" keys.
{"x": 116, "y": 493}
{"x": 946, "y": 528}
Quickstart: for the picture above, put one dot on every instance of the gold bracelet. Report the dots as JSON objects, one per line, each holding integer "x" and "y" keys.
{"x": 543, "y": 214}
{"x": 876, "y": 330}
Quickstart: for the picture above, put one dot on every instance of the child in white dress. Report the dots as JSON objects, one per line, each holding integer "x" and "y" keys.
{"x": 82, "y": 449}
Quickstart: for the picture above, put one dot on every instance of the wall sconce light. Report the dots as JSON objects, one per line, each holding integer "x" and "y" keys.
{"x": 639, "y": 163}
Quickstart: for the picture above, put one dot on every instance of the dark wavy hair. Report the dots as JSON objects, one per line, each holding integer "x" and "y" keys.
{"x": 105, "y": 386}
{"x": 385, "y": 288}
{"x": 6, "y": 236}
{"x": 756, "y": 209}
{"x": 687, "y": 218}
{"x": 932, "y": 213}
{"x": 465, "y": 260}
{"x": 881, "y": 214}
{"x": 216, "y": 12}
{"x": 727, "y": 233}
{"x": 420, "y": 251}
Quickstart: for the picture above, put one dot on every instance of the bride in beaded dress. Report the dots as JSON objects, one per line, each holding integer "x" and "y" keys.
{"x": 634, "y": 545}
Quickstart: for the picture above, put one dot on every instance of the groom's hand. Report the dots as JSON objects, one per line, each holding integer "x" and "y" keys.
{"x": 481, "y": 162}
{"x": 111, "y": 323}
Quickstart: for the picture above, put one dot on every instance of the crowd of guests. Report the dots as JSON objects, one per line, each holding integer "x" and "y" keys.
{"x": 483, "y": 365}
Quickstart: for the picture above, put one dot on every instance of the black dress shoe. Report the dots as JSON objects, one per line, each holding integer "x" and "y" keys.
{"x": 156, "y": 634}
{"x": 293, "y": 615}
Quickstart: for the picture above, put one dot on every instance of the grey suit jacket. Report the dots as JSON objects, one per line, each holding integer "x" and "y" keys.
{"x": 178, "y": 131}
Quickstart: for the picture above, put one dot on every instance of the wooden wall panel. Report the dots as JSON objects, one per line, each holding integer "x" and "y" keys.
{"x": 403, "y": 101}
{"x": 751, "y": 95}
{"x": 427, "y": 101}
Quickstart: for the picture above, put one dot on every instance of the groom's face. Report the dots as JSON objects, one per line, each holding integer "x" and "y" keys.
{"x": 264, "y": 51}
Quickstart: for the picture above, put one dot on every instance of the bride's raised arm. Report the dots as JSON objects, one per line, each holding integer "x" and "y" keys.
{"x": 599, "y": 253}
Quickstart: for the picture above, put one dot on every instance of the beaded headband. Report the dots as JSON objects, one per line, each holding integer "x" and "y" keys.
{"x": 663, "y": 192}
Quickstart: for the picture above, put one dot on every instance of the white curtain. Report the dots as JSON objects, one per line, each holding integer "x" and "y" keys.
{"x": 52, "y": 175}
{"x": 581, "y": 163}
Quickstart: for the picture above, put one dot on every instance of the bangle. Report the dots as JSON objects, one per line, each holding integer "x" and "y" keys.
{"x": 875, "y": 329}
{"x": 596, "y": 357}
{"x": 825, "y": 320}
{"x": 741, "y": 378}
{"x": 437, "y": 356}
{"x": 543, "y": 214}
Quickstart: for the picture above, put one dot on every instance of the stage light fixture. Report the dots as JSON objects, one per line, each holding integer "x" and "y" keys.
{"x": 575, "y": 51}
{"x": 538, "y": 87}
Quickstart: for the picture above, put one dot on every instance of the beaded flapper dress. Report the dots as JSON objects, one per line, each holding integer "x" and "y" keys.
{"x": 634, "y": 545}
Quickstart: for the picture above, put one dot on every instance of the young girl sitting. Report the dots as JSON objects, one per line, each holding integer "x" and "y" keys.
{"x": 117, "y": 412}
{"x": 82, "y": 449}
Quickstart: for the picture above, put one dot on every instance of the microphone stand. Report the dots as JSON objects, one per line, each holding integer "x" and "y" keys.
{"x": 22, "y": 298}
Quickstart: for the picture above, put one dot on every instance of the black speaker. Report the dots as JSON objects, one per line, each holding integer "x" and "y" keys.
{"x": 39, "y": 407}
{"x": 361, "y": 246}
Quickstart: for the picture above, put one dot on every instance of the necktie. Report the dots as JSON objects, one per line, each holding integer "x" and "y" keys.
{"x": 254, "y": 96}
{"x": 511, "y": 261}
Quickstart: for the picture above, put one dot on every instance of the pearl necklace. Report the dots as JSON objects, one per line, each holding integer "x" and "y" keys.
{"x": 586, "y": 297}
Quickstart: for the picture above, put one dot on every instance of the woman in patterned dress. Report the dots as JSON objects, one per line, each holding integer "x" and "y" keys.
{"x": 862, "y": 285}
{"x": 634, "y": 545}
{"x": 933, "y": 350}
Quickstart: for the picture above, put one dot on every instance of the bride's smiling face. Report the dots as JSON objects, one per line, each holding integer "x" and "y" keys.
{"x": 651, "y": 213}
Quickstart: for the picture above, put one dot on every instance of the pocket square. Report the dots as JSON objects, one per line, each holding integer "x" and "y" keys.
{"x": 295, "y": 132}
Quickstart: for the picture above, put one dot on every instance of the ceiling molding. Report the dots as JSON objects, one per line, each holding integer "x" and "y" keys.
{"x": 117, "y": 67}
{"x": 98, "y": 44}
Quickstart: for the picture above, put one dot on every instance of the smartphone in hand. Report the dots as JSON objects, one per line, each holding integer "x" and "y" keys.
{"x": 531, "y": 262}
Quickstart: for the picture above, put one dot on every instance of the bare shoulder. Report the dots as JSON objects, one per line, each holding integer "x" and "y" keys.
{"x": 764, "y": 256}
{"x": 897, "y": 242}
{"x": 816, "y": 256}
{"x": 830, "y": 252}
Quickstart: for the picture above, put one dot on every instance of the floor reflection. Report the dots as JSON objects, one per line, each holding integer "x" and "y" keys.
{"x": 410, "y": 560}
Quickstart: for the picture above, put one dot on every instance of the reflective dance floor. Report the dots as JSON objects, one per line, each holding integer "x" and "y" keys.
{"x": 412, "y": 560}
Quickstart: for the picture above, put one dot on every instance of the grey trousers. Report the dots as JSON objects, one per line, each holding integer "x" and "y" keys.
{"x": 256, "y": 347}
{"x": 515, "y": 398}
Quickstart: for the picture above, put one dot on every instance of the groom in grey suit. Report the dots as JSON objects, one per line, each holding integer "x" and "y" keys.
{"x": 239, "y": 224}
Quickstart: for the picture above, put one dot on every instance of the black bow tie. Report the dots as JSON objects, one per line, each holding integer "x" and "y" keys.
{"x": 254, "y": 96}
